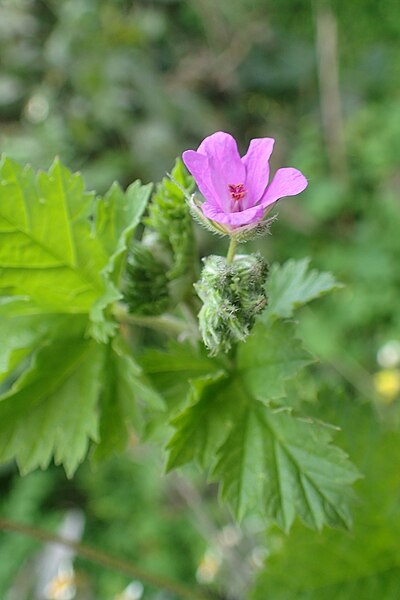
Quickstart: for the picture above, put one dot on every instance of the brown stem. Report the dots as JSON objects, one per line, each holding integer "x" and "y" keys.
{"x": 110, "y": 562}
{"x": 328, "y": 72}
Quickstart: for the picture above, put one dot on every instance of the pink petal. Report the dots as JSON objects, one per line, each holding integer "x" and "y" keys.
{"x": 198, "y": 166}
{"x": 235, "y": 219}
{"x": 286, "y": 182}
{"x": 257, "y": 169}
{"x": 225, "y": 164}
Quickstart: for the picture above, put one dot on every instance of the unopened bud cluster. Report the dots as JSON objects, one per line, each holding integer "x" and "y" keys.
{"x": 233, "y": 295}
{"x": 144, "y": 283}
{"x": 159, "y": 268}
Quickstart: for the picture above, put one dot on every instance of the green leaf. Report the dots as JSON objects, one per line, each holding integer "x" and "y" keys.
{"x": 266, "y": 460}
{"x": 117, "y": 216}
{"x": 21, "y": 334}
{"x": 365, "y": 564}
{"x": 51, "y": 255}
{"x": 47, "y": 251}
{"x": 293, "y": 284}
{"x": 284, "y": 467}
{"x": 52, "y": 408}
{"x": 58, "y": 270}
{"x": 170, "y": 371}
{"x": 270, "y": 356}
{"x": 125, "y": 396}
{"x": 201, "y": 427}
{"x": 55, "y": 406}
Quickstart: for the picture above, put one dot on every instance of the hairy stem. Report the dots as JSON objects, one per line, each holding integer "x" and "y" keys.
{"x": 231, "y": 251}
{"x": 165, "y": 323}
{"x": 106, "y": 560}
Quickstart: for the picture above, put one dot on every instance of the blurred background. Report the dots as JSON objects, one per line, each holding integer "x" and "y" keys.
{"x": 118, "y": 89}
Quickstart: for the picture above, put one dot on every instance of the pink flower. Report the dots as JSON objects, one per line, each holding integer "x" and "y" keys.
{"x": 236, "y": 190}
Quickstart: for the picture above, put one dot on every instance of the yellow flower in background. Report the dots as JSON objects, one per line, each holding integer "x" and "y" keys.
{"x": 208, "y": 567}
{"x": 62, "y": 587}
{"x": 134, "y": 591}
{"x": 387, "y": 384}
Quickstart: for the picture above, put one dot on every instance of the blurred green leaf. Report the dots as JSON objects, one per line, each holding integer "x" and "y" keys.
{"x": 23, "y": 502}
{"x": 21, "y": 334}
{"x": 364, "y": 564}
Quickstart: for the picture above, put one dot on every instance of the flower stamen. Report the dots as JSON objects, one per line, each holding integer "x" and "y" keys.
{"x": 237, "y": 191}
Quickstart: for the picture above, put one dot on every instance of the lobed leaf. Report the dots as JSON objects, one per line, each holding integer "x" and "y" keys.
{"x": 210, "y": 406}
{"x": 293, "y": 284}
{"x": 125, "y": 394}
{"x": 59, "y": 267}
{"x": 270, "y": 356}
{"x": 284, "y": 466}
{"x": 51, "y": 409}
{"x": 172, "y": 370}
{"x": 117, "y": 216}
{"x": 47, "y": 252}
{"x": 365, "y": 564}
{"x": 266, "y": 460}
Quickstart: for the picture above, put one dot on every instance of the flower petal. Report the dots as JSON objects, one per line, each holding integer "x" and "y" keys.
{"x": 225, "y": 164}
{"x": 286, "y": 182}
{"x": 235, "y": 219}
{"x": 199, "y": 167}
{"x": 257, "y": 169}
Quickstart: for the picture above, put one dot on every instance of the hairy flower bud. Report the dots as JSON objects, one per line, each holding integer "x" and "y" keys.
{"x": 170, "y": 220}
{"x": 232, "y": 294}
{"x": 160, "y": 268}
{"x": 145, "y": 283}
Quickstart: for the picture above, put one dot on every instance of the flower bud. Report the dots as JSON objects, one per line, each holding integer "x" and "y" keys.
{"x": 170, "y": 220}
{"x": 232, "y": 294}
{"x": 160, "y": 268}
{"x": 145, "y": 283}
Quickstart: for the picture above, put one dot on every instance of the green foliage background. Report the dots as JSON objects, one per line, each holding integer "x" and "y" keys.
{"x": 117, "y": 90}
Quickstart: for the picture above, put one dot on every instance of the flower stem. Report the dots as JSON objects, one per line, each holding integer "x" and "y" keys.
{"x": 231, "y": 251}
{"x": 165, "y": 323}
{"x": 106, "y": 560}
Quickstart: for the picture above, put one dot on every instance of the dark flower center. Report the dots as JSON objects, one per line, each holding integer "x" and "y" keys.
{"x": 237, "y": 191}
